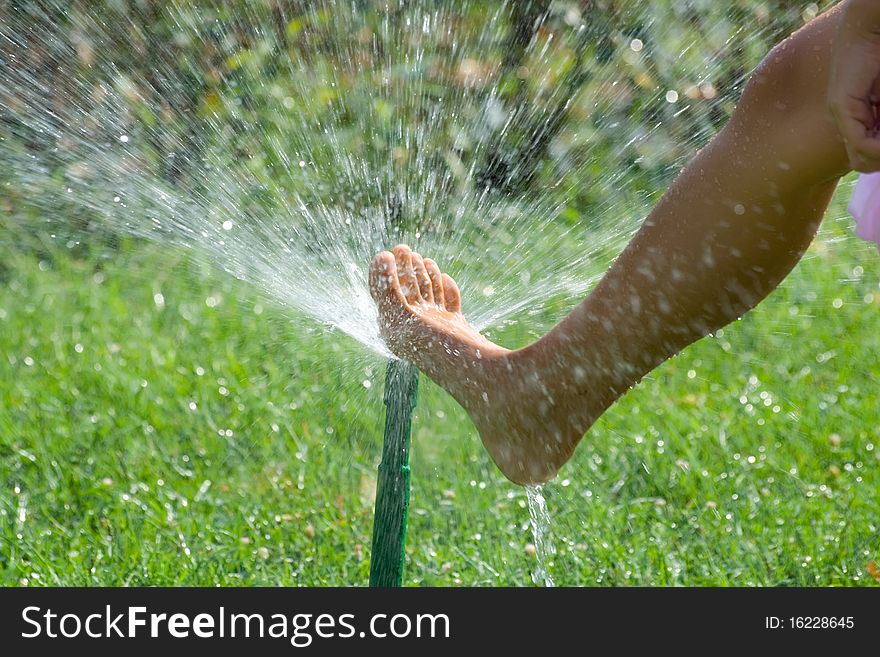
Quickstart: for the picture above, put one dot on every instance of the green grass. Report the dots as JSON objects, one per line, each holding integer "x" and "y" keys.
{"x": 226, "y": 442}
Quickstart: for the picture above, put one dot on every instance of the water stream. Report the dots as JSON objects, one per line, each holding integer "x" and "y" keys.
{"x": 544, "y": 546}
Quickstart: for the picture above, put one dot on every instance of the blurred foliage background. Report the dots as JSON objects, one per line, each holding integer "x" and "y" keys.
{"x": 581, "y": 85}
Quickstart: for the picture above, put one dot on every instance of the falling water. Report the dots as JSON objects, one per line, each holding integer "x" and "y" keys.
{"x": 544, "y": 547}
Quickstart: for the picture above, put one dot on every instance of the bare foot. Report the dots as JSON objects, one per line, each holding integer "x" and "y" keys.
{"x": 529, "y": 426}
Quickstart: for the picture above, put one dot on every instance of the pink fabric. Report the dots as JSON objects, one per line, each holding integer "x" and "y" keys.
{"x": 865, "y": 207}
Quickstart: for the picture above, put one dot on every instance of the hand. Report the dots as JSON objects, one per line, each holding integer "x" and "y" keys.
{"x": 854, "y": 90}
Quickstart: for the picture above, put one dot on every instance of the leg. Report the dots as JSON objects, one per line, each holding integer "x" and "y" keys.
{"x": 729, "y": 229}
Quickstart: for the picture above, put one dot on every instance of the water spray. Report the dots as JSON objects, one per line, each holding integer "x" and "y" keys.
{"x": 392, "y": 490}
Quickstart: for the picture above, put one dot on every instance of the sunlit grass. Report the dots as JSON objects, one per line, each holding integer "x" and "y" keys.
{"x": 159, "y": 424}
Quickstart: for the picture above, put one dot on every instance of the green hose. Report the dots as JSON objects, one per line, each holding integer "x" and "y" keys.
{"x": 392, "y": 490}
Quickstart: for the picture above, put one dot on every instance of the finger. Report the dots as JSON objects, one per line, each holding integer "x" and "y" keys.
{"x": 854, "y": 116}
{"x": 853, "y": 101}
{"x": 436, "y": 277}
{"x": 863, "y": 164}
{"x": 422, "y": 278}
{"x": 864, "y": 153}
{"x": 451, "y": 294}
{"x": 409, "y": 286}
{"x": 861, "y": 141}
{"x": 875, "y": 92}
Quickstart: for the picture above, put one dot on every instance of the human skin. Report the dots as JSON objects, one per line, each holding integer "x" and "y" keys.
{"x": 728, "y": 230}
{"x": 854, "y": 89}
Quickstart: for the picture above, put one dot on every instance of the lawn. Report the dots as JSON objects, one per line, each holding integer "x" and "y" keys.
{"x": 161, "y": 424}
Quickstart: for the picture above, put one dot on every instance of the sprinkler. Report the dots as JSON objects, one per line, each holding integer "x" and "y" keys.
{"x": 392, "y": 490}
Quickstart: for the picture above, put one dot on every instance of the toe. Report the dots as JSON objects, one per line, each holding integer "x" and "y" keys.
{"x": 384, "y": 286}
{"x": 426, "y": 291}
{"x": 383, "y": 274}
{"x": 409, "y": 286}
{"x": 451, "y": 295}
{"x": 436, "y": 277}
